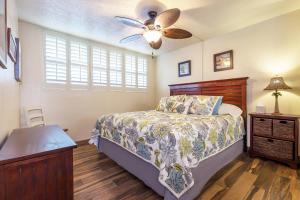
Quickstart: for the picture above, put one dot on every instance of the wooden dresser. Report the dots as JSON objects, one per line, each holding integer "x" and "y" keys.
{"x": 275, "y": 137}
{"x": 37, "y": 163}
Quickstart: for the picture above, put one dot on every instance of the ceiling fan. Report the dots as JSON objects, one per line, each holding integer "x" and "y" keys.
{"x": 155, "y": 27}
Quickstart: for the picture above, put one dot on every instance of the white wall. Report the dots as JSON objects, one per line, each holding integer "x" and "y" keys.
{"x": 9, "y": 88}
{"x": 71, "y": 108}
{"x": 260, "y": 52}
{"x": 167, "y": 67}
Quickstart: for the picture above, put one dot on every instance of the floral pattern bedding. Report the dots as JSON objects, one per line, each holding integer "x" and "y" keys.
{"x": 172, "y": 142}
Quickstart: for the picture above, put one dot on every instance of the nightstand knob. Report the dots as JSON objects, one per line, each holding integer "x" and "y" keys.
{"x": 283, "y": 122}
{"x": 262, "y": 120}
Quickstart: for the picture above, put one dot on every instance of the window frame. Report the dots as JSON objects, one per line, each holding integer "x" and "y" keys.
{"x": 106, "y": 69}
{"x": 121, "y": 70}
{"x": 133, "y": 57}
{"x": 45, "y": 80}
{"x": 90, "y": 45}
{"x": 142, "y": 74}
{"x": 79, "y": 84}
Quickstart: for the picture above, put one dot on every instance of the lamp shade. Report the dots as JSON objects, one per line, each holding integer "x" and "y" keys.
{"x": 277, "y": 83}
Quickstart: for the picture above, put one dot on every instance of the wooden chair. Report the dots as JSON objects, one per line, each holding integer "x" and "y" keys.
{"x": 35, "y": 117}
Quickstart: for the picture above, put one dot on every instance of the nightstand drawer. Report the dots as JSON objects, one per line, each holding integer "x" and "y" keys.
{"x": 275, "y": 148}
{"x": 262, "y": 126}
{"x": 283, "y": 129}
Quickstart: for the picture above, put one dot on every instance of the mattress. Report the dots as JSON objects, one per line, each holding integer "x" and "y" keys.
{"x": 172, "y": 143}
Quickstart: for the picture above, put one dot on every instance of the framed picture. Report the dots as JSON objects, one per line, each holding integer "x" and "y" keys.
{"x": 184, "y": 68}
{"x": 223, "y": 61}
{"x": 18, "y": 68}
{"x": 3, "y": 41}
{"x": 12, "y": 46}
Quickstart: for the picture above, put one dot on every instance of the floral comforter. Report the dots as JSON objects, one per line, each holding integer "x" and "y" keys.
{"x": 174, "y": 143}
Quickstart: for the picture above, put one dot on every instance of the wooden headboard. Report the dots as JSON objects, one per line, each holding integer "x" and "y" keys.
{"x": 234, "y": 91}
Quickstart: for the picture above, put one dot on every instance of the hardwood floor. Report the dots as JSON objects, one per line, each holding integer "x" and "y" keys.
{"x": 98, "y": 177}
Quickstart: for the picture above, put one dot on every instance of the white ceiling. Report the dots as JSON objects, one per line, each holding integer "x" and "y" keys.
{"x": 93, "y": 19}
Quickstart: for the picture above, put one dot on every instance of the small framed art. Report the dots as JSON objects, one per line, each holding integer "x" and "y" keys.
{"x": 3, "y": 41}
{"x": 12, "y": 46}
{"x": 184, "y": 68}
{"x": 223, "y": 61}
{"x": 18, "y": 67}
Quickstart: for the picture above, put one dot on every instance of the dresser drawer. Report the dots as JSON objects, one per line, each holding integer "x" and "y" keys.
{"x": 275, "y": 148}
{"x": 262, "y": 126}
{"x": 283, "y": 129}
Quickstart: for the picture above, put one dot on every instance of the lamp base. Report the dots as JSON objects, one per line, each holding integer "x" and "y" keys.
{"x": 276, "y": 110}
{"x": 276, "y": 113}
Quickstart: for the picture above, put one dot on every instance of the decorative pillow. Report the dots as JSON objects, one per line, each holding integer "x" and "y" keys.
{"x": 217, "y": 106}
{"x": 205, "y": 105}
{"x": 230, "y": 109}
{"x": 162, "y": 104}
{"x": 175, "y": 104}
{"x": 178, "y": 106}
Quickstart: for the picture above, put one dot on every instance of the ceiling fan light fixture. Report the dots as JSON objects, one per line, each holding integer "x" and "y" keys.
{"x": 152, "y": 36}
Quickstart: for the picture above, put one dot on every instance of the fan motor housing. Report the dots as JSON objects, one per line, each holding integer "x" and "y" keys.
{"x": 150, "y": 22}
{"x": 152, "y": 14}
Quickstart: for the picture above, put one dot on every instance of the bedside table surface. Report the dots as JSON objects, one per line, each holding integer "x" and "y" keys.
{"x": 270, "y": 115}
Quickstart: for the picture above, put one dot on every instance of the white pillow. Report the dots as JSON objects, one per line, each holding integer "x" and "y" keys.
{"x": 233, "y": 110}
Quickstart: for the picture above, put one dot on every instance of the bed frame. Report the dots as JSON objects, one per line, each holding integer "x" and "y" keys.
{"x": 234, "y": 91}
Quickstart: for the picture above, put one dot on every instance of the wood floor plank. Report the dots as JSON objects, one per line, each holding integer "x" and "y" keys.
{"x": 236, "y": 192}
{"x": 266, "y": 176}
{"x": 286, "y": 171}
{"x": 98, "y": 177}
{"x": 222, "y": 180}
{"x": 211, "y": 192}
{"x": 255, "y": 193}
{"x": 259, "y": 195}
{"x": 280, "y": 189}
{"x": 295, "y": 189}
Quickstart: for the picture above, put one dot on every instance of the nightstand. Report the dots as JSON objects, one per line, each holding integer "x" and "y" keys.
{"x": 275, "y": 137}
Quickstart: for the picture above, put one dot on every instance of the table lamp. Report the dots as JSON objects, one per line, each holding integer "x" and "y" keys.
{"x": 277, "y": 83}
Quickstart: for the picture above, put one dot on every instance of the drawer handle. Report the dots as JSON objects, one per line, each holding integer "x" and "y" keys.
{"x": 262, "y": 120}
{"x": 270, "y": 140}
{"x": 283, "y": 122}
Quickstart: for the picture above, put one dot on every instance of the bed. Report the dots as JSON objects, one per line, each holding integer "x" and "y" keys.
{"x": 177, "y": 154}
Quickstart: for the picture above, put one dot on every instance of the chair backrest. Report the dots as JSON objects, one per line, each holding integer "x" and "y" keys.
{"x": 34, "y": 117}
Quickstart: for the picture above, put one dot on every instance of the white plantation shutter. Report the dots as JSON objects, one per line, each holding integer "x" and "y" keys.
{"x": 99, "y": 66}
{"x": 68, "y": 61}
{"x": 115, "y": 65}
{"x": 142, "y": 68}
{"x": 130, "y": 71}
{"x": 79, "y": 63}
{"x": 55, "y": 60}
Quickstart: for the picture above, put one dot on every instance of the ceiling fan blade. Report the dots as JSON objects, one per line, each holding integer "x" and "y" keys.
{"x": 130, "y": 22}
{"x": 131, "y": 38}
{"x": 167, "y": 18}
{"x": 176, "y": 33}
{"x": 156, "y": 45}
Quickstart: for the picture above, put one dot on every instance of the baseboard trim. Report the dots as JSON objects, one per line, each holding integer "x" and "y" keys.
{"x": 82, "y": 142}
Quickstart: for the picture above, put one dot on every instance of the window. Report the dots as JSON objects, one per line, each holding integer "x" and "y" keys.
{"x": 79, "y": 63}
{"x": 142, "y": 68}
{"x": 99, "y": 67}
{"x": 55, "y": 60}
{"x": 72, "y": 62}
{"x": 115, "y": 65}
{"x": 130, "y": 71}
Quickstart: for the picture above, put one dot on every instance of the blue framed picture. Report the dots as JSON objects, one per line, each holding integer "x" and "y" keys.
{"x": 184, "y": 68}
